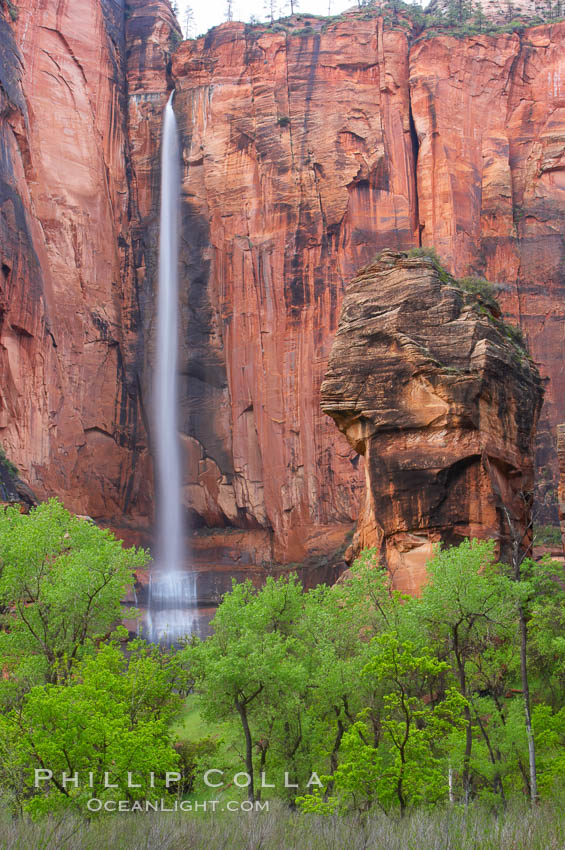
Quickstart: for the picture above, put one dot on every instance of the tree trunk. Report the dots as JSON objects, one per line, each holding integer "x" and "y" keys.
{"x": 248, "y": 749}
{"x": 497, "y": 785}
{"x": 468, "y": 720}
{"x": 526, "y": 698}
{"x": 518, "y": 555}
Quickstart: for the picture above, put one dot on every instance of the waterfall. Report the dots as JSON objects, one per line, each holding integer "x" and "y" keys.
{"x": 172, "y": 591}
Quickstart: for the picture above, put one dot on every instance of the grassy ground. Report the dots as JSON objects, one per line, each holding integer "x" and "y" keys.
{"x": 190, "y": 726}
{"x": 520, "y": 828}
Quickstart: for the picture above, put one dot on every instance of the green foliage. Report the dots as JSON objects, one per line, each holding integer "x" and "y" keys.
{"x": 61, "y": 583}
{"x": 386, "y": 696}
{"x": 72, "y": 700}
{"x": 479, "y": 286}
{"x": 485, "y": 294}
{"x": 548, "y": 535}
{"x": 10, "y": 467}
{"x": 516, "y": 336}
{"x": 283, "y": 121}
{"x": 550, "y": 744}
{"x": 175, "y": 39}
{"x": 191, "y": 755}
{"x": 109, "y": 718}
{"x": 429, "y": 253}
{"x": 369, "y": 700}
{"x": 250, "y": 669}
{"x": 543, "y": 595}
{"x": 406, "y": 767}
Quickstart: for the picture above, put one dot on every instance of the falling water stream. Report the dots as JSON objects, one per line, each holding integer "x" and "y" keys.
{"x": 172, "y": 591}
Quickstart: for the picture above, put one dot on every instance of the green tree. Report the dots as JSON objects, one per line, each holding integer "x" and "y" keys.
{"x": 250, "y": 667}
{"x": 61, "y": 583}
{"x": 404, "y": 763}
{"x": 544, "y": 596}
{"x": 336, "y": 629}
{"x": 541, "y": 620}
{"x": 410, "y": 725}
{"x": 466, "y": 605}
{"x": 102, "y": 733}
{"x": 522, "y": 542}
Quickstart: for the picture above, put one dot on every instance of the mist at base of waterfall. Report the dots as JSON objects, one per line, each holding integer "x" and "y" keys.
{"x": 172, "y": 611}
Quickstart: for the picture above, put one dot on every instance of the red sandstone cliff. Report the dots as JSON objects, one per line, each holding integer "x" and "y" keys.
{"x": 69, "y": 417}
{"x": 490, "y": 116}
{"x": 561, "y": 487}
{"x": 303, "y": 155}
{"x": 441, "y": 399}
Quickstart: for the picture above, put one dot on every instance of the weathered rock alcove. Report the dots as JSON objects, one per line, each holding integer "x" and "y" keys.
{"x": 440, "y": 396}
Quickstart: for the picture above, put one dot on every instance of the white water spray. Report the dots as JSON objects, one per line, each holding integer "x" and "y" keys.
{"x": 172, "y": 592}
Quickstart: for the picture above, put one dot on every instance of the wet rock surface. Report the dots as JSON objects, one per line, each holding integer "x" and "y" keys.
{"x": 303, "y": 154}
{"x": 430, "y": 386}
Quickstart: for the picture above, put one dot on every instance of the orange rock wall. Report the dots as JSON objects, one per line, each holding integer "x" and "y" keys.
{"x": 69, "y": 415}
{"x": 490, "y": 116}
{"x": 303, "y": 155}
{"x": 298, "y": 161}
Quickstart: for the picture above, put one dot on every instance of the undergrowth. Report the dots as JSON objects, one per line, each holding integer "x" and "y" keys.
{"x": 520, "y": 827}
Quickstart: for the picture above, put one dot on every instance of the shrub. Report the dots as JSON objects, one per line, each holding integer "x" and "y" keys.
{"x": 516, "y": 336}
{"x": 548, "y": 535}
{"x": 190, "y": 754}
{"x": 10, "y": 467}
{"x": 430, "y": 253}
{"x": 175, "y": 39}
{"x": 478, "y": 286}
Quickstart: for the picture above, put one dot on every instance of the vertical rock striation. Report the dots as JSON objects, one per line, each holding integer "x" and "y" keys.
{"x": 489, "y": 114}
{"x": 304, "y": 152}
{"x": 432, "y": 388}
{"x": 561, "y": 488}
{"x": 69, "y": 414}
{"x": 299, "y": 162}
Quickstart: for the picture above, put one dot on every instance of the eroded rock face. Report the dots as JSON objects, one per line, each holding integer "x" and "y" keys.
{"x": 303, "y": 155}
{"x": 489, "y": 113}
{"x": 561, "y": 488}
{"x": 297, "y": 165}
{"x": 70, "y": 415}
{"x": 427, "y": 384}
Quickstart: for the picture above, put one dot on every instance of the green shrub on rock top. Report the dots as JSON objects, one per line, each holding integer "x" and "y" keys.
{"x": 10, "y": 467}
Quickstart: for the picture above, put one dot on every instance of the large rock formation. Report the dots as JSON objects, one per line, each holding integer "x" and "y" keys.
{"x": 442, "y": 400}
{"x": 305, "y": 151}
{"x": 69, "y": 415}
{"x": 561, "y": 487}
{"x": 304, "y": 154}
